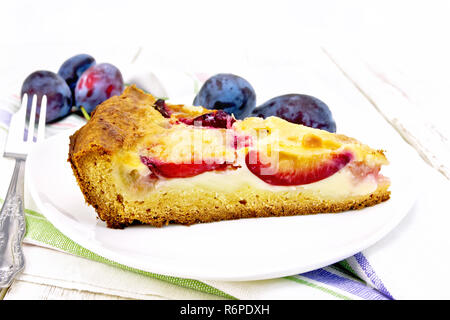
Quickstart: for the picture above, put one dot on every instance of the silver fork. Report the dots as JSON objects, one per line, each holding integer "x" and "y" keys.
{"x": 12, "y": 217}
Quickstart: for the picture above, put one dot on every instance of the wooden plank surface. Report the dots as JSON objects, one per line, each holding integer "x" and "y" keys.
{"x": 23, "y": 290}
{"x": 392, "y": 99}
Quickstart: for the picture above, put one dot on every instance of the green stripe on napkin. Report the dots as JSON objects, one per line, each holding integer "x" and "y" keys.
{"x": 313, "y": 285}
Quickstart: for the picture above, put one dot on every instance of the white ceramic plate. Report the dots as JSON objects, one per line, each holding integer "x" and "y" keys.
{"x": 246, "y": 249}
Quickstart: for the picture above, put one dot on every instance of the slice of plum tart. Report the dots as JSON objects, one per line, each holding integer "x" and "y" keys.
{"x": 142, "y": 160}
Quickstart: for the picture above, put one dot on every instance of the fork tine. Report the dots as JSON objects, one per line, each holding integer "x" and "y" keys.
{"x": 18, "y": 119}
{"x": 31, "y": 123}
{"x": 24, "y": 103}
{"x": 42, "y": 116}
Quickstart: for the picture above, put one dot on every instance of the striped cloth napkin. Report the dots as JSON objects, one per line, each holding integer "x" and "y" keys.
{"x": 353, "y": 278}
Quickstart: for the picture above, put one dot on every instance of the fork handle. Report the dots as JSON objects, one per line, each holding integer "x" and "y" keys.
{"x": 12, "y": 227}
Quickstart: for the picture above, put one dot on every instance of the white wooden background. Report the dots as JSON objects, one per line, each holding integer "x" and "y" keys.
{"x": 387, "y": 56}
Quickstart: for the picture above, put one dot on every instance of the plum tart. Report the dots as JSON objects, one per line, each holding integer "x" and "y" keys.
{"x": 142, "y": 160}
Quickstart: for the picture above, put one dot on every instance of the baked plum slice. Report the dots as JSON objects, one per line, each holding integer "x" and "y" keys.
{"x": 293, "y": 169}
{"x": 216, "y": 119}
{"x": 181, "y": 170}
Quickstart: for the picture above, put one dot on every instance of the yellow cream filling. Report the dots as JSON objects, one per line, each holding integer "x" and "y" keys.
{"x": 131, "y": 177}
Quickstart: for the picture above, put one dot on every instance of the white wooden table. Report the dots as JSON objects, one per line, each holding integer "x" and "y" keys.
{"x": 407, "y": 94}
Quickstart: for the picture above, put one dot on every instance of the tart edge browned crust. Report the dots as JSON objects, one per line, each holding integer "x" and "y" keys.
{"x": 114, "y": 124}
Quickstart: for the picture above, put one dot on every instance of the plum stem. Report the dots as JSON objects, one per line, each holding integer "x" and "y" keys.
{"x": 85, "y": 114}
